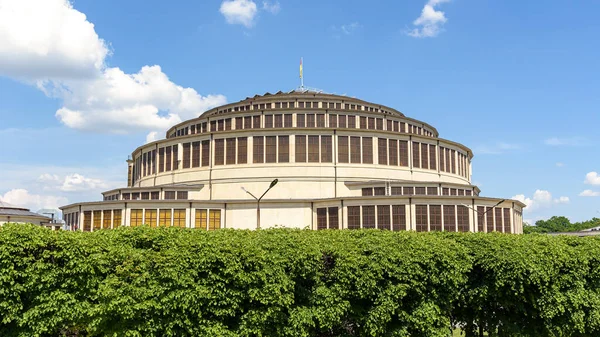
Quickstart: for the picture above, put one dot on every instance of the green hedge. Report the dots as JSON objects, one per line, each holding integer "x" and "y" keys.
{"x": 178, "y": 282}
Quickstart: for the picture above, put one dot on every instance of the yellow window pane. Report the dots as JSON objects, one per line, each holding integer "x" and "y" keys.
{"x": 150, "y": 217}
{"x": 87, "y": 221}
{"x": 136, "y": 217}
{"x": 201, "y": 217}
{"x": 116, "y": 218}
{"x": 107, "y": 219}
{"x": 179, "y": 218}
{"x": 97, "y": 219}
{"x": 165, "y": 217}
{"x": 215, "y": 219}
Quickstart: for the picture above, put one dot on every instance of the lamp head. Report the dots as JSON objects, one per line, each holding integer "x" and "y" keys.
{"x": 273, "y": 183}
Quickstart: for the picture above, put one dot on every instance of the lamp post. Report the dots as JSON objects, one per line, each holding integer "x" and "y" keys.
{"x": 273, "y": 183}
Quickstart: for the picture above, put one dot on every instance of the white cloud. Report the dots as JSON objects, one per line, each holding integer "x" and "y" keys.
{"x": 70, "y": 183}
{"x": 572, "y": 141}
{"x": 589, "y": 193}
{"x": 559, "y": 164}
{"x": 151, "y": 137}
{"x": 592, "y": 178}
{"x": 272, "y": 8}
{"x": 239, "y": 12}
{"x": 51, "y": 44}
{"x": 48, "y": 39}
{"x": 23, "y": 198}
{"x": 430, "y": 23}
{"x": 541, "y": 199}
{"x": 496, "y": 148}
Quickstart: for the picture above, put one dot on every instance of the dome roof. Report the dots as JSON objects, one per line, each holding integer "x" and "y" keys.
{"x": 6, "y": 205}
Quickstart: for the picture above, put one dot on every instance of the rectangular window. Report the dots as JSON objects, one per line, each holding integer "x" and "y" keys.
{"x": 321, "y": 218}
{"x": 169, "y": 159}
{"x": 453, "y": 159}
{"x": 379, "y": 191}
{"x": 442, "y": 161}
{"x": 300, "y": 120}
{"x": 242, "y": 151}
{"x": 256, "y": 122}
{"x": 271, "y": 149}
{"x": 310, "y": 120}
{"x": 416, "y": 163}
{"x": 150, "y": 217}
{"x": 144, "y": 166}
{"x": 432, "y": 156}
{"x": 396, "y": 190}
{"x": 367, "y": 191}
{"x": 355, "y": 150}
{"x": 480, "y": 218}
{"x": 449, "y": 219}
{"x": 287, "y": 120}
{"x": 409, "y": 190}
{"x": 186, "y": 155}
{"x": 326, "y": 154}
{"x": 419, "y": 190}
{"x": 182, "y": 195}
{"x": 453, "y": 191}
{"x": 230, "y": 151}
{"x": 389, "y": 125}
{"x": 363, "y": 122}
{"x": 462, "y": 214}
{"x": 424, "y": 156}
{"x": 320, "y": 120}
{"x": 333, "y": 121}
{"x": 403, "y": 146}
{"x": 300, "y": 149}
{"x": 368, "y": 217}
{"x": 213, "y": 126}
{"x": 379, "y": 124}
{"x": 239, "y": 123}
{"x": 247, "y": 122}
{"x": 205, "y": 152}
{"x": 117, "y": 216}
{"x": 154, "y": 195}
{"x": 383, "y": 217}
{"x": 382, "y": 151}
{"x": 367, "y": 154}
{"x": 106, "y": 219}
{"x": 498, "y": 213}
{"x": 435, "y": 218}
{"x": 170, "y": 195}
{"x": 398, "y": 218}
{"x": 201, "y": 220}
{"x": 343, "y": 121}
{"x": 371, "y": 123}
{"x": 214, "y": 221}
{"x": 196, "y": 154}
{"x": 221, "y": 127}
{"x": 421, "y": 218}
{"x": 343, "y": 149}
{"x": 506, "y": 219}
{"x": 179, "y": 218}
{"x": 393, "y": 152}
{"x": 136, "y": 217}
{"x": 258, "y": 149}
{"x": 353, "y": 217}
{"x": 175, "y": 157}
{"x": 432, "y": 191}
{"x": 352, "y": 122}
{"x": 219, "y": 151}
{"x": 145, "y": 195}
{"x": 489, "y": 219}
{"x": 278, "y": 121}
{"x": 164, "y": 217}
{"x": 313, "y": 149}
{"x": 333, "y": 218}
{"x": 228, "y": 124}
{"x": 284, "y": 149}
{"x": 268, "y": 121}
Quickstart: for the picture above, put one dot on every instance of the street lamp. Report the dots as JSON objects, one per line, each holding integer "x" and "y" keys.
{"x": 273, "y": 183}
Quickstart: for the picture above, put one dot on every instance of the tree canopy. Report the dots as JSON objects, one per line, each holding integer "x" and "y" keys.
{"x": 560, "y": 224}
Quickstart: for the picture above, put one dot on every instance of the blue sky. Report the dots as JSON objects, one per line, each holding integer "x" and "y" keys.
{"x": 84, "y": 83}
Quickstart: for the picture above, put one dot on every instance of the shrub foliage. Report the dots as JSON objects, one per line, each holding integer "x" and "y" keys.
{"x": 181, "y": 282}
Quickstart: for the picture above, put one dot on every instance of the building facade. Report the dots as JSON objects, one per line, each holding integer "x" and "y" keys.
{"x": 341, "y": 163}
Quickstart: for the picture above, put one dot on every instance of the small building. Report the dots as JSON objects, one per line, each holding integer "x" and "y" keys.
{"x": 16, "y": 214}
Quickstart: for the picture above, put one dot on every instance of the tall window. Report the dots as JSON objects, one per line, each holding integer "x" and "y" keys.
{"x": 153, "y": 161}
{"x": 353, "y": 217}
{"x": 333, "y": 218}
{"x": 97, "y": 220}
{"x": 326, "y": 155}
{"x": 136, "y": 217}
{"x": 355, "y": 150}
{"x": 393, "y": 152}
{"x": 230, "y": 151}
{"x": 382, "y": 151}
{"x": 259, "y": 148}
{"x": 179, "y": 218}
{"x": 432, "y": 156}
{"x": 228, "y": 124}
{"x": 435, "y": 218}
{"x": 424, "y": 156}
{"x": 398, "y": 218}
{"x": 442, "y": 159}
{"x": 214, "y": 221}
{"x": 117, "y": 218}
{"x": 416, "y": 163}
{"x": 268, "y": 121}
{"x": 421, "y": 218}
{"x": 506, "y": 220}
{"x": 87, "y": 221}
{"x": 164, "y": 217}
{"x": 205, "y": 152}
{"x": 480, "y": 218}
{"x": 352, "y": 122}
{"x": 383, "y": 217}
{"x": 313, "y": 149}
{"x": 196, "y": 154}
{"x": 186, "y": 155}
{"x": 242, "y": 152}
{"x": 321, "y": 218}
{"x": 371, "y": 123}
{"x": 343, "y": 149}
{"x": 300, "y": 120}
{"x": 256, "y": 122}
{"x": 287, "y": 120}
{"x": 489, "y": 218}
{"x": 462, "y": 215}
{"x": 284, "y": 149}
{"x": 271, "y": 149}
{"x": 403, "y": 145}
{"x": 332, "y": 120}
{"x": 175, "y": 157}
{"x": 219, "y": 151}
{"x": 169, "y": 159}
{"x": 239, "y": 123}
{"x": 150, "y": 217}
{"x": 201, "y": 219}
{"x": 300, "y": 149}
{"x": 363, "y": 122}
{"x": 379, "y": 124}
{"x": 453, "y": 161}
{"x": 449, "y": 218}
{"x": 367, "y": 152}
{"x": 368, "y": 216}
{"x": 498, "y": 214}
{"x": 247, "y": 122}
{"x": 343, "y": 121}
{"x": 320, "y": 121}
{"x": 448, "y": 163}
{"x": 279, "y": 121}
{"x": 106, "y": 219}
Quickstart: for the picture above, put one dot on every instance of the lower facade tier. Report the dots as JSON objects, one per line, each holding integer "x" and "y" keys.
{"x": 418, "y": 213}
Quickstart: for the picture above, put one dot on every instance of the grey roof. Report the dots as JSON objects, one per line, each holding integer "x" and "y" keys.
{"x": 4, "y": 204}
{"x": 20, "y": 212}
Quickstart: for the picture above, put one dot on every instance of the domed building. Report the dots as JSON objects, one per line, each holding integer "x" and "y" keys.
{"x": 326, "y": 162}
{"x": 16, "y": 214}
